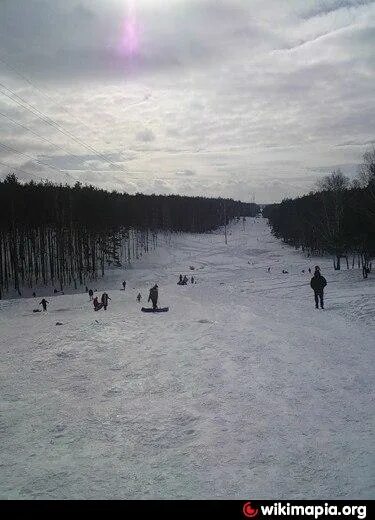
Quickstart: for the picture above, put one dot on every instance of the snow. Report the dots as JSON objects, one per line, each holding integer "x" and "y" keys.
{"x": 242, "y": 389}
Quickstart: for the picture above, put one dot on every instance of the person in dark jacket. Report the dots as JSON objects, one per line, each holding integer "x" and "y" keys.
{"x": 91, "y": 294}
{"x": 97, "y": 305}
{"x": 153, "y": 297}
{"x": 318, "y": 282}
{"x": 104, "y": 300}
{"x": 139, "y": 297}
{"x": 44, "y": 303}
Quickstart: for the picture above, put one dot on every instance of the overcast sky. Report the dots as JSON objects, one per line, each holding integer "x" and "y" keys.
{"x": 235, "y": 98}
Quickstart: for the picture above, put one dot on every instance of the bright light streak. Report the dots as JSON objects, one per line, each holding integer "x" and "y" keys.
{"x": 131, "y": 35}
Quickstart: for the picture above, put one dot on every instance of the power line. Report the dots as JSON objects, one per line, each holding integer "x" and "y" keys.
{"x": 40, "y": 115}
{"x": 33, "y": 159}
{"x": 43, "y": 138}
{"x": 11, "y": 167}
{"x": 43, "y": 93}
{"x": 33, "y": 132}
{"x": 56, "y": 145}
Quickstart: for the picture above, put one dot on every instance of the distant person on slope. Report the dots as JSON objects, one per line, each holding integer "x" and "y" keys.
{"x": 44, "y": 303}
{"x": 96, "y": 303}
{"x": 318, "y": 282}
{"x": 104, "y": 300}
{"x": 91, "y": 294}
{"x": 153, "y": 297}
{"x": 124, "y": 285}
{"x": 139, "y": 297}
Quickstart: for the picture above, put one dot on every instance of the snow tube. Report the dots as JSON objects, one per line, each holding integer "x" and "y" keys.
{"x": 159, "y": 309}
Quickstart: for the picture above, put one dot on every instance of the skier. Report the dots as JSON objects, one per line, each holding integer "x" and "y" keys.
{"x": 91, "y": 294}
{"x": 43, "y": 303}
{"x": 154, "y": 293}
{"x": 192, "y": 279}
{"x": 318, "y": 282}
{"x": 124, "y": 285}
{"x": 185, "y": 280}
{"x": 139, "y": 297}
{"x": 104, "y": 300}
{"x": 180, "y": 281}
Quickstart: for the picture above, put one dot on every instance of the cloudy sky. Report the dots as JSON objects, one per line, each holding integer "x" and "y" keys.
{"x": 235, "y": 98}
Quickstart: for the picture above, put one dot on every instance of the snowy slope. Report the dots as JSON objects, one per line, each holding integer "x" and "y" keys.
{"x": 242, "y": 390}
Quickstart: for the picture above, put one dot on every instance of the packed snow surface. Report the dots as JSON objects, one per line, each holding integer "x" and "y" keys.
{"x": 242, "y": 390}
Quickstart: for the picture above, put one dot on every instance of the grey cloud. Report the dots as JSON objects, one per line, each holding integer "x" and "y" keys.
{"x": 185, "y": 173}
{"x": 146, "y": 136}
{"x": 224, "y": 104}
{"x": 322, "y": 7}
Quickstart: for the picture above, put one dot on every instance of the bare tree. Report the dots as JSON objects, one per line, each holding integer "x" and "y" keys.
{"x": 333, "y": 187}
{"x": 335, "y": 181}
{"x": 366, "y": 176}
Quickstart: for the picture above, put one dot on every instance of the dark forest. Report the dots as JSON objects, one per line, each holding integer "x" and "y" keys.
{"x": 338, "y": 219}
{"x": 61, "y": 235}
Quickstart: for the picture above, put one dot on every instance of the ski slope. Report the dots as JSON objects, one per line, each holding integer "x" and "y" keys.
{"x": 242, "y": 390}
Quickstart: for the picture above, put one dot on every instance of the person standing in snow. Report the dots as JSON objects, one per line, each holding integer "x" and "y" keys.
{"x": 318, "y": 282}
{"x": 91, "y": 294}
{"x": 153, "y": 297}
{"x": 44, "y": 303}
{"x": 124, "y": 285}
{"x": 104, "y": 300}
{"x": 139, "y": 297}
{"x": 96, "y": 303}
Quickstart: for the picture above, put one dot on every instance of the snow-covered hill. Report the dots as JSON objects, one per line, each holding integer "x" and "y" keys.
{"x": 242, "y": 389}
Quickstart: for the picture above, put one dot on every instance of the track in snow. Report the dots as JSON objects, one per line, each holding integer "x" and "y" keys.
{"x": 243, "y": 387}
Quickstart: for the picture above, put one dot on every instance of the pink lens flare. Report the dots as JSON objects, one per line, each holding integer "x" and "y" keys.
{"x": 131, "y": 34}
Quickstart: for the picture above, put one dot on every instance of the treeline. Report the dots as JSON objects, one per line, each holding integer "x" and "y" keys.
{"x": 337, "y": 219}
{"x": 63, "y": 235}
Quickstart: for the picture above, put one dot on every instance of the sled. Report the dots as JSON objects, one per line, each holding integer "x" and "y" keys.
{"x": 159, "y": 309}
